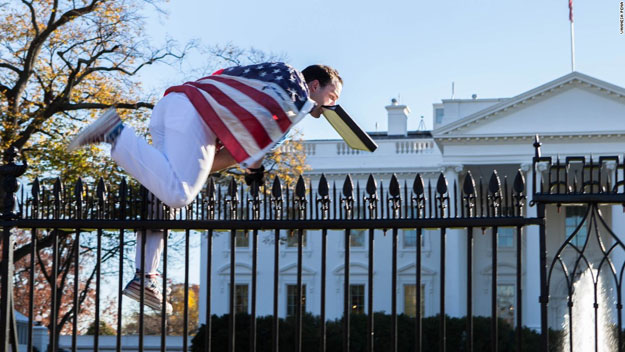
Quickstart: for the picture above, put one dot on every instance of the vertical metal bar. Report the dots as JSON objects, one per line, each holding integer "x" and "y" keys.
{"x": 276, "y": 319}
{"x": 442, "y": 333}
{"x": 254, "y": 279}
{"x": 519, "y": 290}
{"x": 142, "y": 293}
{"x": 346, "y": 300}
{"x": 298, "y": 303}
{"x": 370, "y": 334}
{"x": 120, "y": 283}
{"x": 31, "y": 293}
{"x": 544, "y": 289}
{"x": 470, "y": 243}
{"x": 53, "y": 306}
{"x": 7, "y": 306}
{"x": 419, "y": 313}
{"x": 164, "y": 306}
{"x": 75, "y": 298}
{"x": 324, "y": 239}
{"x": 493, "y": 302}
{"x": 209, "y": 269}
{"x": 231, "y": 318}
{"x": 619, "y": 311}
{"x": 98, "y": 287}
{"x": 185, "y": 327}
{"x": 394, "y": 294}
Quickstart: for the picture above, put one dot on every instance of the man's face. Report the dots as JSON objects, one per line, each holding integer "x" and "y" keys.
{"x": 326, "y": 95}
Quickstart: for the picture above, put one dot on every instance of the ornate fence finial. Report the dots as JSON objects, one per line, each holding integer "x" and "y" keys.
{"x": 537, "y": 145}
{"x": 324, "y": 196}
{"x": 395, "y": 200}
{"x": 300, "y": 197}
{"x": 9, "y": 172}
{"x": 418, "y": 188}
{"x": 372, "y": 199}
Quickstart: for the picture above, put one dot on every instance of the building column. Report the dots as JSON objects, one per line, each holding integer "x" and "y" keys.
{"x": 531, "y": 257}
{"x": 456, "y": 251}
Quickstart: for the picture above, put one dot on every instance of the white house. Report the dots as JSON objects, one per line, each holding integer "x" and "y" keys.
{"x": 574, "y": 115}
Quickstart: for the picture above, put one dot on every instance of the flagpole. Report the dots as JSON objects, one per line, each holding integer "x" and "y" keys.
{"x": 572, "y": 35}
{"x": 572, "y": 47}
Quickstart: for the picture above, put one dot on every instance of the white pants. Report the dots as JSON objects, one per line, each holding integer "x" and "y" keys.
{"x": 174, "y": 168}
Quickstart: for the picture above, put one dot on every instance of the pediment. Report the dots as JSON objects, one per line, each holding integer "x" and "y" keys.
{"x": 291, "y": 269}
{"x": 411, "y": 270}
{"x": 354, "y": 269}
{"x": 574, "y": 104}
{"x": 239, "y": 269}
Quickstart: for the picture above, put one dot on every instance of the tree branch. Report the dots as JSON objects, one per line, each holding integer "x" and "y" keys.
{"x": 33, "y": 17}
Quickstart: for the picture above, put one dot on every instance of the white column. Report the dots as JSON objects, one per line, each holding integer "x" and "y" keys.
{"x": 456, "y": 253}
{"x": 531, "y": 258}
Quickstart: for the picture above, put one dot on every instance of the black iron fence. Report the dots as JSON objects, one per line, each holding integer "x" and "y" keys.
{"x": 64, "y": 212}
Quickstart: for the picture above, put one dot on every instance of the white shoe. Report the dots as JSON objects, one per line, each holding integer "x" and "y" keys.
{"x": 105, "y": 129}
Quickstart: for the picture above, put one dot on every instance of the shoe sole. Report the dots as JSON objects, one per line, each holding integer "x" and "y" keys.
{"x": 147, "y": 300}
{"x": 82, "y": 137}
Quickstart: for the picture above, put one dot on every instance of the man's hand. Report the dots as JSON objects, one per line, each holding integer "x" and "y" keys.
{"x": 316, "y": 111}
{"x": 255, "y": 174}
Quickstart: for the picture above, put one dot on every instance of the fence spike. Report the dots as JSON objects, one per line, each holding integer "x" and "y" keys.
{"x": 300, "y": 187}
{"x": 441, "y": 185}
{"x": 276, "y": 190}
{"x": 393, "y": 187}
{"x": 348, "y": 186}
{"x": 519, "y": 182}
{"x": 494, "y": 185}
{"x": 35, "y": 189}
{"x": 323, "y": 188}
{"x": 101, "y": 190}
{"x": 78, "y": 189}
{"x": 469, "y": 184}
{"x": 232, "y": 189}
{"x": 418, "y": 187}
{"x": 372, "y": 186}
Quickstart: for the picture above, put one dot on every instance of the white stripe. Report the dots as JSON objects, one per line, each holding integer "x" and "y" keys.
{"x": 261, "y": 114}
{"x": 282, "y": 98}
{"x": 232, "y": 123}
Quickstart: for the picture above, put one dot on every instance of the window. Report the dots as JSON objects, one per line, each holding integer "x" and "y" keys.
{"x": 242, "y": 239}
{"x": 292, "y": 238}
{"x": 505, "y": 302}
{"x": 438, "y": 115}
{"x": 357, "y": 238}
{"x": 505, "y": 237}
{"x": 241, "y": 298}
{"x": 574, "y": 216}
{"x": 357, "y": 298}
{"x": 291, "y": 299}
{"x": 410, "y": 300}
{"x": 410, "y": 238}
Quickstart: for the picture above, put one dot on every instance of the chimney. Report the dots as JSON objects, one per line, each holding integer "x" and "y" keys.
{"x": 397, "y": 119}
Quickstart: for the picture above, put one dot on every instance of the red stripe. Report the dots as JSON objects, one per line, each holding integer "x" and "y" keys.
{"x": 261, "y": 98}
{"x": 213, "y": 121}
{"x": 249, "y": 121}
{"x": 571, "y": 10}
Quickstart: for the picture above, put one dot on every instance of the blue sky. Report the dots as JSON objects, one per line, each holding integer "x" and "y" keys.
{"x": 407, "y": 49}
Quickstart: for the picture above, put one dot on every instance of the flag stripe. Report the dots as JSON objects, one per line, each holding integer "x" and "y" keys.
{"x": 249, "y": 121}
{"x": 261, "y": 114}
{"x": 261, "y": 98}
{"x": 212, "y": 120}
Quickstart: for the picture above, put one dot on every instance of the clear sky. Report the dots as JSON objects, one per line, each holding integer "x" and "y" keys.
{"x": 411, "y": 50}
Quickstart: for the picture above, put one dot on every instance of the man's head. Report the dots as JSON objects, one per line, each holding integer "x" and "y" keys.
{"x": 324, "y": 86}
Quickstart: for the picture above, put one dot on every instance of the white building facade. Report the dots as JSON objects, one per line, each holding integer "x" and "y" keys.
{"x": 574, "y": 115}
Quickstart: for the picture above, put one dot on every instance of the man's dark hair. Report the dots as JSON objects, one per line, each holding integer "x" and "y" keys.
{"x": 322, "y": 73}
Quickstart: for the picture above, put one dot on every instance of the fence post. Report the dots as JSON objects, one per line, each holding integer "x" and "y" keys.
{"x": 9, "y": 172}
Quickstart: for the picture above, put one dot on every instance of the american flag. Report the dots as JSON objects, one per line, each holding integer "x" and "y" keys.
{"x": 571, "y": 10}
{"x": 250, "y": 108}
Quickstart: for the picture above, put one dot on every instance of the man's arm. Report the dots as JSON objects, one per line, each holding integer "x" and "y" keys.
{"x": 223, "y": 160}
